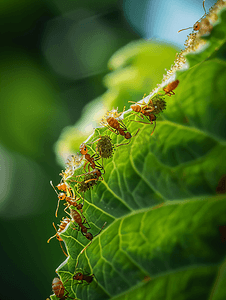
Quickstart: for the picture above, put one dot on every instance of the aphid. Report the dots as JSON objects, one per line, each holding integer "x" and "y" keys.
{"x": 78, "y": 219}
{"x": 89, "y": 181}
{"x": 196, "y": 26}
{"x": 71, "y": 200}
{"x": 62, "y": 226}
{"x": 118, "y": 127}
{"x": 170, "y": 87}
{"x": 59, "y": 289}
{"x": 158, "y": 103}
{"x": 94, "y": 175}
{"x": 105, "y": 147}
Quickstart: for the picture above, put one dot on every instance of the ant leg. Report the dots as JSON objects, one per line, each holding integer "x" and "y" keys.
{"x": 54, "y": 234}
{"x": 100, "y": 230}
{"x": 122, "y": 124}
{"x": 140, "y": 122}
{"x": 86, "y": 222}
{"x": 204, "y": 7}
{"x": 90, "y": 180}
{"x": 63, "y": 249}
{"x": 72, "y": 180}
{"x": 153, "y": 128}
{"x": 67, "y": 208}
{"x": 58, "y": 203}
{"x": 114, "y": 131}
{"x": 136, "y": 132}
{"x": 99, "y": 165}
{"x": 86, "y": 247}
{"x": 92, "y": 240}
{"x": 85, "y": 165}
{"x": 141, "y": 116}
{"x": 96, "y": 279}
{"x": 76, "y": 265}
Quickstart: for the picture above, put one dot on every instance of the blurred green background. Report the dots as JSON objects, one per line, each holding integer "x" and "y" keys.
{"x": 53, "y": 59}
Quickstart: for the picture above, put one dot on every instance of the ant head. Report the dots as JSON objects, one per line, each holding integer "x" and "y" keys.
{"x": 80, "y": 206}
{"x": 61, "y": 196}
{"x": 78, "y": 276}
{"x": 89, "y": 236}
{"x": 153, "y": 117}
{"x": 59, "y": 238}
{"x": 84, "y": 230}
{"x": 196, "y": 26}
{"x": 128, "y": 135}
{"x": 83, "y": 149}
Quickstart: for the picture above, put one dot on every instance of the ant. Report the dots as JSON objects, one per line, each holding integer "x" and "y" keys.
{"x": 196, "y": 26}
{"x": 144, "y": 110}
{"x": 170, "y": 87}
{"x": 59, "y": 289}
{"x": 91, "y": 160}
{"x": 114, "y": 126}
{"x": 78, "y": 219}
{"x": 79, "y": 276}
{"x": 71, "y": 200}
{"x": 62, "y": 226}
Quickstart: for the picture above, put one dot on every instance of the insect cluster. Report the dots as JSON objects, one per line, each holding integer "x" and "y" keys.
{"x": 72, "y": 188}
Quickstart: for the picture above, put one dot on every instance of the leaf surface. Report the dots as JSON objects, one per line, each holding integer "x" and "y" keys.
{"x": 163, "y": 198}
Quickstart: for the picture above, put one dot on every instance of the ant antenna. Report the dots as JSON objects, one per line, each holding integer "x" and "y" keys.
{"x": 196, "y": 21}
{"x": 184, "y": 29}
{"x": 58, "y": 198}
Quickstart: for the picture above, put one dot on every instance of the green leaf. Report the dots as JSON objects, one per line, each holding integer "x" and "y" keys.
{"x": 163, "y": 198}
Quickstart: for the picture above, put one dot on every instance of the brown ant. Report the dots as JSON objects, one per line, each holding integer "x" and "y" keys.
{"x": 118, "y": 127}
{"x": 170, "y": 87}
{"x": 62, "y": 226}
{"x": 144, "y": 110}
{"x": 91, "y": 160}
{"x": 196, "y": 26}
{"x": 78, "y": 219}
{"x": 79, "y": 276}
{"x": 59, "y": 289}
{"x": 71, "y": 200}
